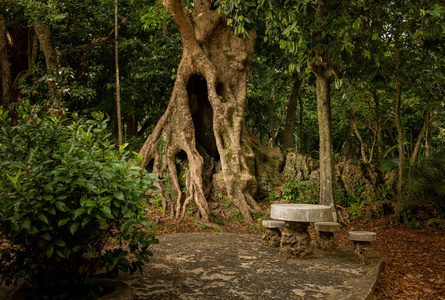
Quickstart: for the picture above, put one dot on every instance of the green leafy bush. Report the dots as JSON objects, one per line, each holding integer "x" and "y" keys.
{"x": 65, "y": 192}
{"x": 300, "y": 191}
{"x": 427, "y": 183}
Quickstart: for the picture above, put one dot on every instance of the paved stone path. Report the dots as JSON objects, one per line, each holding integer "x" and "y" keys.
{"x": 237, "y": 266}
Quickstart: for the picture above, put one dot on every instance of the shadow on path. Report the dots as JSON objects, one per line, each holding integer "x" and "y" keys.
{"x": 238, "y": 266}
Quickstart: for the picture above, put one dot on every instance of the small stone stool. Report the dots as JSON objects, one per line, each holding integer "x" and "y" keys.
{"x": 362, "y": 240}
{"x": 325, "y": 230}
{"x": 272, "y": 235}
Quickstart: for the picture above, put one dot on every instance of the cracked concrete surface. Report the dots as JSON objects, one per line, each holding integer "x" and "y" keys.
{"x": 238, "y": 266}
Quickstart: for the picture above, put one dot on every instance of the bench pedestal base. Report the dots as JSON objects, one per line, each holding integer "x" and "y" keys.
{"x": 295, "y": 240}
{"x": 272, "y": 237}
{"x": 360, "y": 247}
{"x": 325, "y": 241}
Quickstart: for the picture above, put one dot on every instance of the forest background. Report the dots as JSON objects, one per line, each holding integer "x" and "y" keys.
{"x": 339, "y": 102}
{"x": 385, "y": 94}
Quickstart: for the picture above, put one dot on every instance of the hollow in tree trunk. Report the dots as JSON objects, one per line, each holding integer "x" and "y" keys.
{"x": 205, "y": 117}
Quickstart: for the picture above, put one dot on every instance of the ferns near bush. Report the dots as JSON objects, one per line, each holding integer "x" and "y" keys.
{"x": 427, "y": 181}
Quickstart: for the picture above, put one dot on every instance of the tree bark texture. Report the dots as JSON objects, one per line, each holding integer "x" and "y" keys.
{"x": 400, "y": 135}
{"x": 289, "y": 126}
{"x": 378, "y": 121}
{"x": 118, "y": 90}
{"x": 347, "y": 149}
{"x": 5, "y": 64}
{"x": 52, "y": 55}
{"x": 205, "y": 116}
{"x": 415, "y": 155}
{"x": 428, "y": 134}
{"x": 327, "y": 166}
{"x": 302, "y": 144}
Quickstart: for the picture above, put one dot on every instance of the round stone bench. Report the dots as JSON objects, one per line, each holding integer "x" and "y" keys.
{"x": 325, "y": 232}
{"x": 272, "y": 235}
{"x": 295, "y": 238}
{"x": 361, "y": 240}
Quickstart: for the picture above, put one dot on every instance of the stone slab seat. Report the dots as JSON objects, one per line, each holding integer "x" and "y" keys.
{"x": 325, "y": 231}
{"x": 362, "y": 240}
{"x": 362, "y": 236}
{"x": 327, "y": 226}
{"x": 273, "y": 224}
{"x": 301, "y": 212}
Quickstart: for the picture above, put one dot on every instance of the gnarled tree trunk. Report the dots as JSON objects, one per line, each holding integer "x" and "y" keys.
{"x": 206, "y": 114}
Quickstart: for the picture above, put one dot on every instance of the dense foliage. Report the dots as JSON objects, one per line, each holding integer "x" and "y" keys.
{"x": 65, "y": 193}
{"x": 389, "y": 57}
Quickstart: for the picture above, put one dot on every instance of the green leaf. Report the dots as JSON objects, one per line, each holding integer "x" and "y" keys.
{"x": 79, "y": 211}
{"x": 144, "y": 222}
{"x": 61, "y": 206}
{"x": 119, "y": 195}
{"x": 26, "y": 224}
{"x": 91, "y": 187}
{"x": 127, "y": 227}
{"x": 47, "y": 236}
{"x": 43, "y": 218}
{"x": 60, "y": 254}
{"x": 90, "y": 252}
{"x": 85, "y": 222}
{"x": 107, "y": 212}
{"x": 48, "y": 197}
{"x": 91, "y": 203}
{"x": 74, "y": 228}
{"x": 83, "y": 200}
{"x": 49, "y": 250}
{"x": 64, "y": 221}
{"x": 78, "y": 248}
{"x": 51, "y": 210}
{"x": 357, "y": 23}
{"x": 60, "y": 243}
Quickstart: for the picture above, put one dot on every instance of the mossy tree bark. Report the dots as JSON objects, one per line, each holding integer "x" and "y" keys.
{"x": 324, "y": 75}
{"x": 206, "y": 114}
{"x": 401, "y": 138}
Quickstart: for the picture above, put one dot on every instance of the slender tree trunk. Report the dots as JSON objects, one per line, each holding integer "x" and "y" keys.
{"x": 131, "y": 126}
{"x": 347, "y": 151}
{"x": 415, "y": 155}
{"x": 118, "y": 92}
{"x": 271, "y": 118}
{"x": 324, "y": 73}
{"x": 52, "y": 55}
{"x": 5, "y": 65}
{"x": 289, "y": 126}
{"x": 302, "y": 142}
{"x": 363, "y": 146}
{"x": 327, "y": 165}
{"x": 428, "y": 135}
{"x": 400, "y": 134}
{"x": 378, "y": 127}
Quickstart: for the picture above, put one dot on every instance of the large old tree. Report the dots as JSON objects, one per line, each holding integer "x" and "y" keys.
{"x": 204, "y": 123}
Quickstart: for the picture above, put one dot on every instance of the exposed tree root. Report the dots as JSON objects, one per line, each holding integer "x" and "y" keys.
{"x": 206, "y": 111}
